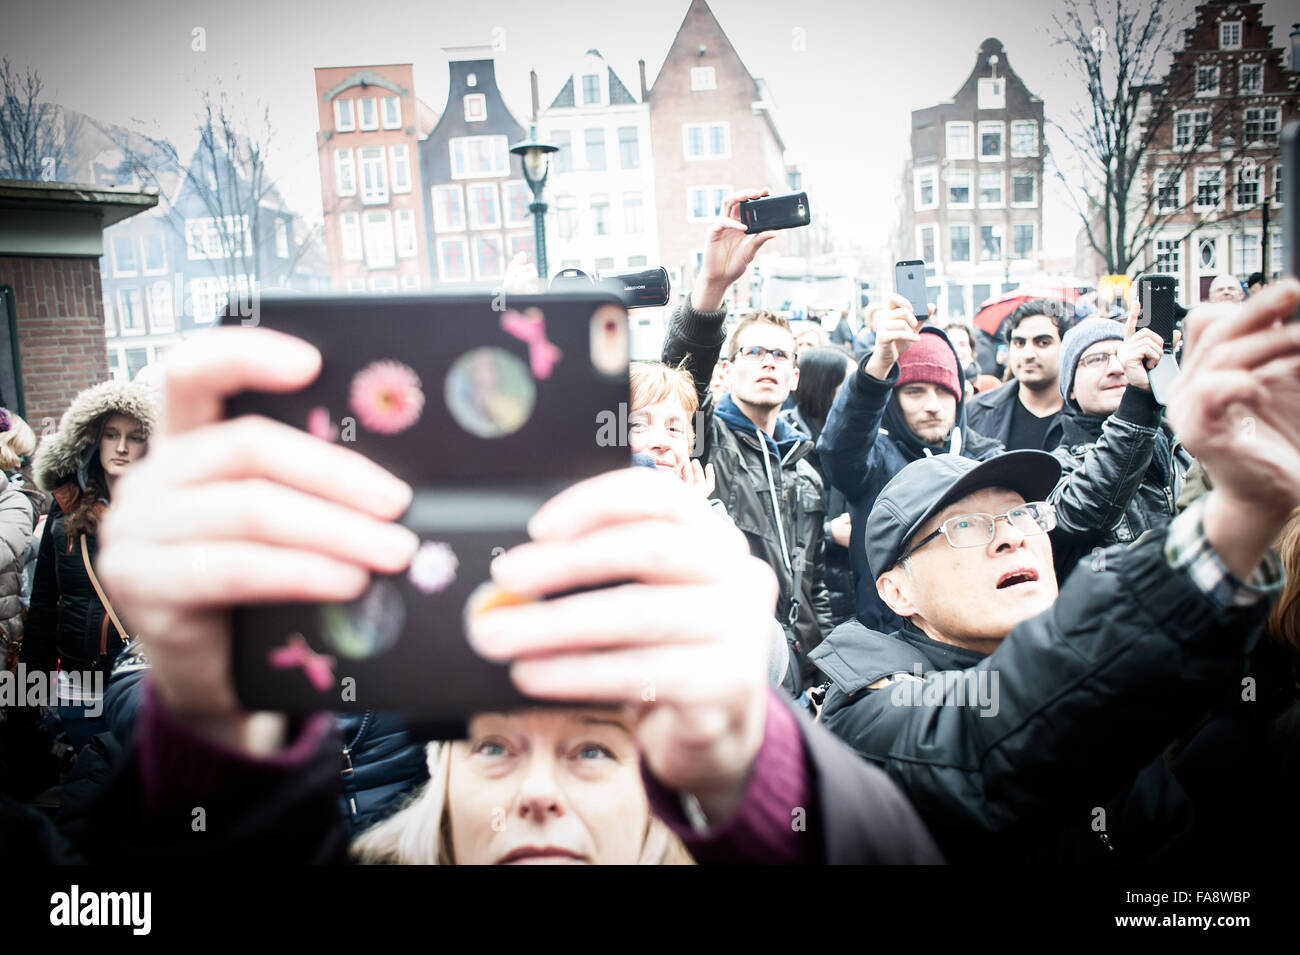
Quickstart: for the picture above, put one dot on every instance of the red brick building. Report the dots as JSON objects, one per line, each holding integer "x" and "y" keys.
{"x": 371, "y": 124}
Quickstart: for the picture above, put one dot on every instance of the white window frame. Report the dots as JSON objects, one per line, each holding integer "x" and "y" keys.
{"x": 500, "y": 155}
{"x": 567, "y": 221}
{"x": 1201, "y": 239}
{"x": 951, "y": 127}
{"x": 1163, "y": 176}
{"x": 707, "y": 139}
{"x": 377, "y": 231}
{"x": 920, "y": 244}
{"x": 160, "y": 292}
{"x": 123, "y": 297}
{"x": 1258, "y": 182}
{"x": 969, "y": 175}
{"x": 1002, "y": 189}
{"x": 440, "y": 224}
{"x": 580, "y": 89}
{"x": 1224, "y": 28}
{"x": 1033, "y": 129}
{"x": 406, "y": 239}
{"x": 345, "y": 108}
{"x": 479, "y": 274}
{"x": 383, "y": 284}
{"x": 710, "y": 193}
{"x": 991, "y": 125}
{"x": 118, "y": 271}
{"x": 345, "y": 163}
{"x": 475, "y": 107}
{"x": 482, "y": 189}
{"x": 624, "y": 206}
{"x": 399, "y": 158}
{"x": 1197, "y": 205}
{"x": 350, "y": 228}
{"x": 1218, "y": 79}
{"x": 1009, "y": 248}
{"x": 1258, "y": 69}
{"x": 522, "y": 187}
{"x": 1277, "y": 185}
{"x": 593, "y": 203}
{"x": 619, "y": 133}
{"x": 362, "y": 122}
{"x": 378, "y": 195}
{"x": 1011, "y": 190}
{"x": 970, "y": 245}
{"x": 524, "y": 237}
{"x": 703, "y": 78}
{"x": 933, "y": 173}
{"x": 393, "y": 121}
{"x": 1237, "y": 263}
{"x": 1192, "y": 115}
{"x": 144, "y": 253}
{"x": 1164, "y": 267}
{"x": 1001, "y": 236}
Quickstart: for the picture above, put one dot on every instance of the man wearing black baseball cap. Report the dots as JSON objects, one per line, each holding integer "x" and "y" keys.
{"x": 1030, "y": 725}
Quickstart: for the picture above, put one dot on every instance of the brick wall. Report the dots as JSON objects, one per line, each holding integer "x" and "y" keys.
{"x": 60, "y": 319}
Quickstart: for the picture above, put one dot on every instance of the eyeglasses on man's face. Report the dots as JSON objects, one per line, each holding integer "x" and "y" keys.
{"x": 758, "y": 353}
{"x": 977, "y": 530}
{"x": 1098, "y": 359}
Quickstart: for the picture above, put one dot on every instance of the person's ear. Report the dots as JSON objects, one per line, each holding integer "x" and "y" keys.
{"x": 895, "y": 590}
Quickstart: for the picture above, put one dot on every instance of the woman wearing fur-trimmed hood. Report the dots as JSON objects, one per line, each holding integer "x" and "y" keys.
{"x": 103, "y": 432}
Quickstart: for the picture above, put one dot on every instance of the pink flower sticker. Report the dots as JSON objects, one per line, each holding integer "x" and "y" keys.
{"x": 386, "y": 397}
{"x": 319, "y": 424}
{"x": 318, "y": 668}
{"x": 433, "y": 568}
{"x": 530, "y": 327}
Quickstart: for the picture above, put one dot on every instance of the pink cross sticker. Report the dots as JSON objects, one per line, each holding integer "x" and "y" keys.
{"x": 318, "y": 668}
{"x": 530, "y": 327}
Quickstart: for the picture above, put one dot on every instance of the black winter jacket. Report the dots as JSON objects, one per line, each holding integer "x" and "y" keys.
{"x": 1008, "y": 757}
{"x": 1120, "y": 476}
{"x": 748, "y": 473}
{"x": 990, "y": 414}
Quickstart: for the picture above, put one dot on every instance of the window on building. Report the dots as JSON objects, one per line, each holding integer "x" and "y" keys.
{"x": 1260, "y": 125}
{"x": 1024, "y": 138}
{"x": 1245, "y": 254}
{"x": 406, "y": 240}
{"x": 637, "y": 261}
{"x": 523, "y": 242}
{"x": 562, "y": 160}
{"x": 154, "y": 260}
{"x": 1169, "y": 259}
{"x": 489, "y": 259}
{"x": 1230, "y": 35}
{"x": 1207, "y": 252}
{"x": 600, "y": 215}
{"x": 990, "y": 243}
{"x": 410, "y": 283}
{"x": 517, "y": 197}
{"x": 1246, "y": 186}
{"x": 633, "y": 213}
{"x": 130, "y": 311}
{"x": 1207, "y": 81}
{"x": 566, "y": 216}
{"x": 400, "y": 159}
{"x": 1022, "y": 241}
{"x": 392, "y": 112}
{"x": 991, "y": 185}
{"x": 356, "y": 285}
{"x": 479, "y": 157}
{"x": 991, "y": 93}
{"x": 380, "y": 251}
{"x": 1252, "y": 78}
{"x": 136, "y": 360}
{"x": 629, "y": 148}
{"x": 1277, "y": 185}
{"x": 453, "y": 260}
{"x": 383, "y": 284}
{"x": 926, "y": 196}
{"x": 374, "y": 175}
{"x": 345, "y": 174}
{"x": 484, "y": 209}
{"x": 961, "y": 140}
{"x": 345, "y": 120}
{"x": 991, "y": 142}
{"x": 707, "y": 140}
{"x": 281, "y": 239}
{"x": 705, "y": 202}
{"x": 162, "y": 315}
{"x": 703, "y": 78}
{"x": 209, "y": 238}
{"x": 594, "y": 140}
{"x": 959, "y": 192}
{"x": 959, "y": 243}
{"x": 926, "y": 244}
{"x": 448, "y": 209}
{"x": 475, "y": 107}
{"x": 591, "y": 89}
{"x": 1191, "y": 128}
{"x": 350, "y": 234}
{"x": 1023, "y": 183}
{"x": 369, "y": 113}
{"x": 1169, "y": 191}
{"x": 124, "y": 260}
{"x": 1209, "y": 189}
{"x": 605, "y": 264}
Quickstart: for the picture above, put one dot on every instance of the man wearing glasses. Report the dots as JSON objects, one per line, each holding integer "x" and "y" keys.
{"x": 1121, "y": 468}
{"x": 760, "y": 473}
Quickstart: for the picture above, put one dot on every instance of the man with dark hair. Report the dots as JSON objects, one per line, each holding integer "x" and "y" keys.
{"x": 759, "y": 461}
{"x": 1254, "y": 283}
{"x": 1025, "y": 413}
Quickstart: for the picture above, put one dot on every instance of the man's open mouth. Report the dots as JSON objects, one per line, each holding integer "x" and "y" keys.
{"x": 1023, "y": 575}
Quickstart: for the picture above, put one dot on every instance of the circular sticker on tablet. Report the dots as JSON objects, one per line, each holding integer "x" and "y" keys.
{"x": 367, "y": 626}
{"x": 490, "y": 392}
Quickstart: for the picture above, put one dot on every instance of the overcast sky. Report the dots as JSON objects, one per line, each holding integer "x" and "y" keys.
{"x": 843, "y": 103}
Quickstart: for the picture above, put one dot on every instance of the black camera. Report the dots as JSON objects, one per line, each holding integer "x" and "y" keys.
{"x": 641, "y": 289}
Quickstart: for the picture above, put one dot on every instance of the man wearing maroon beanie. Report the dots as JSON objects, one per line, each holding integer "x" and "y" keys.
{"x": 905, "y": 402}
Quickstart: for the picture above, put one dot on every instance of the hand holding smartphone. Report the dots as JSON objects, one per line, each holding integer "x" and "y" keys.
{"x": 1156, "y": 297}
{"x": 909, "y": 282}
{"x": 775, "y": 212}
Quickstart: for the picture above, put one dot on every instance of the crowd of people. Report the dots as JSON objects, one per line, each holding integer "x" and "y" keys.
{"x": 895, "y": 608}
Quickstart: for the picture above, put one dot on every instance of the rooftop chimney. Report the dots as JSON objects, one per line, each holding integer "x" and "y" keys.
{"x": 532, "y": 75}
{"x": 1295, "y": 48}
{"x": 641, "y": 65}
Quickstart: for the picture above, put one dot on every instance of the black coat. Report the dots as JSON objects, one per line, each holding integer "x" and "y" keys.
{"x": 989, "y": 413}
{"x": 1087, "y": 696}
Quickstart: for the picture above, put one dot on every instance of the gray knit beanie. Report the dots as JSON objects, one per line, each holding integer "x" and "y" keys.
{"x": 1077, "y": 341}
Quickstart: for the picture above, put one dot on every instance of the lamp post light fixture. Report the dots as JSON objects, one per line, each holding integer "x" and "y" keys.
{"x": 536, "y": 157}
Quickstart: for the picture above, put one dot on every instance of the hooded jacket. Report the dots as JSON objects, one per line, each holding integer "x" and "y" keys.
{"x": 866, "y": 442}
{"x": 66, "y": 620}
{"x": 769, "y": 490}
{"x": 18, "y": 514}
{"x": 990, "y": 413}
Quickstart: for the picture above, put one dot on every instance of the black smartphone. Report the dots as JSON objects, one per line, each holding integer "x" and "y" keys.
{"x": 775, "y": 212}
{"x": 1290, "y": 187}
{"x": 909, "y": 282}
{"x": 486, "y": 412}
{"x": 1157, "y": 299}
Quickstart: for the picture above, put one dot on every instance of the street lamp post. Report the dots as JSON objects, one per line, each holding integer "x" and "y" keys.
{"x": 536, "y": 158}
